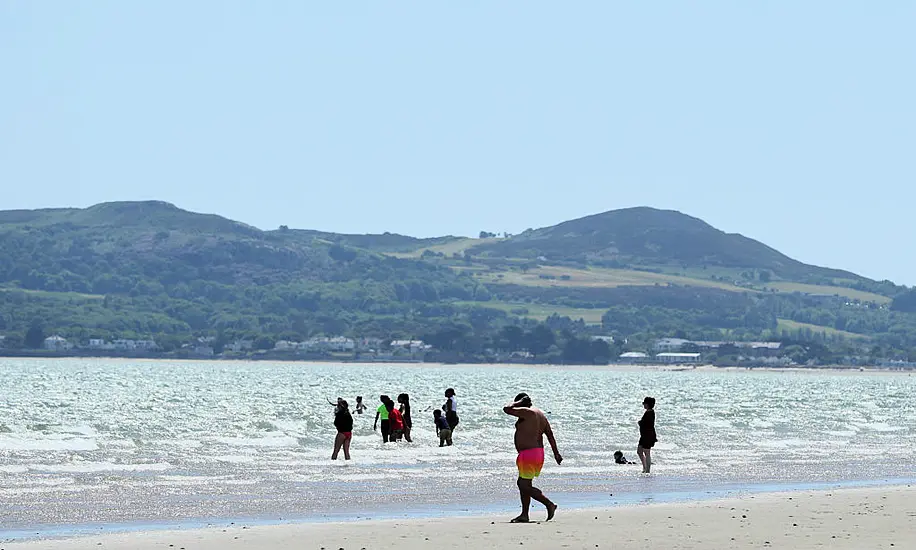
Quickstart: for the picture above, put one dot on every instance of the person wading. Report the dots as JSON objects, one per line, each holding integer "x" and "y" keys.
{"x": 647, "y": 436}
{"x": 530, "y": 428}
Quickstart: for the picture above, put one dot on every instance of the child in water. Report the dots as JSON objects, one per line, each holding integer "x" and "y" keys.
{"x": 442, "y": 428}
{"x": 360, "y": 406}
{"x": 620, "y": 459}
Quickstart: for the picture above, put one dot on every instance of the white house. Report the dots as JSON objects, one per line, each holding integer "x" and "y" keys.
{"x": 124, "y": 344}
{"x": 147, "y": 345}
{"x": 325, "y": 344}
{"x": 241, "y": 345}
{"x": 678, "y": 358}
{"x": 633, "y": 357}
{"x": 411, "y": 345}
{"x": 57, "y": 343}
{"x": 341, "y": 344}
{"x": 669, "y": 344}
{"x": 99, "y": 343}
{"x": 286, "y": 345}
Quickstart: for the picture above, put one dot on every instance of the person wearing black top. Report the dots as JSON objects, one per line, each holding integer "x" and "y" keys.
{"x": 451, "y": 409}
{"x": 647, "y": 436}
{"x": 343, "y": 421}
{"x": 404, "y": 400}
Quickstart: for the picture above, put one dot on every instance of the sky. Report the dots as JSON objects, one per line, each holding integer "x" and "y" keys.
{"x": 793, "y": 123}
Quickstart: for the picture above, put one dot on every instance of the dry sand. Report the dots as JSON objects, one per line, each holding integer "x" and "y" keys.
{"x": 851, "y": 518}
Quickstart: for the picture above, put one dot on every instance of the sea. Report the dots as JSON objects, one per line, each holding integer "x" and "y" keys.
{"x": 89, "y": 445}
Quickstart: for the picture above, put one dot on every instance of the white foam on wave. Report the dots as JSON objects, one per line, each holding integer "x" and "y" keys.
{"x": 99, "y": 467}
{"x": 278, "y": 441}
{"x": 47, "y": 490}
{"x": 38, "y": 480}
{"x": 199, "y": 481}
{"x": 173, "y": 443}
{"x": 235, "y": 459}
{"x": 9, "y": 442}
{"x": 783, "y": 444}
{"x": 882, "y": 427}
{"x": 78, "y": 429}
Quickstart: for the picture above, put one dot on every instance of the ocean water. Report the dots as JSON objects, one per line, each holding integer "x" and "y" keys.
{"x": 88, "y": 444}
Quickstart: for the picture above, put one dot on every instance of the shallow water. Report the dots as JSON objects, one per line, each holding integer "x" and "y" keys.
{"x": 101, "y": 442}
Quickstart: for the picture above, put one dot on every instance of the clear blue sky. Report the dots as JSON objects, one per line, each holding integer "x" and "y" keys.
{"x": 790, "y": 122}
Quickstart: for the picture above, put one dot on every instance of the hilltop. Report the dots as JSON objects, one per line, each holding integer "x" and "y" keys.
{"x": 153, "y": 269}
{"x": 648, "y": 237}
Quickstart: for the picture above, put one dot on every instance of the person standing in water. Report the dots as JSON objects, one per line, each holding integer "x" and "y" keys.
{"x": 530, "y": 428}
{"x": 382, "y": 413}
{"x": 451, "y": 409}
{"x": 442, "y": 429}
{"x": 333, "y": 404}
{"x": 343, "y": 421}
{"x": 395, "y": 421}
{"x": 647, "y": 435}
{"x": 404, "y": 400}
{"x": 360, "y": 406}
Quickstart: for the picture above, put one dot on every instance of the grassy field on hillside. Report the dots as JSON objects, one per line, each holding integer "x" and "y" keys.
{"x": 539, "y": 312}
{"x": 599, "y": 277}
{"x": 556, "y": 276}
{"x": 789, "y": 325}
{"x": 458, "y": 246}
{"x": 850, "y": 293}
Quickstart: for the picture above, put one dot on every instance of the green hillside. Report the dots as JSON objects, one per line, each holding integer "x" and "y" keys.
{"x": 151, "y": 269}
{"x": 647, "y": 237}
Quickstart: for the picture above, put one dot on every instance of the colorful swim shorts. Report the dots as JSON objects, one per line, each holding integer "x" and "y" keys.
{"x": 530, "y": 462}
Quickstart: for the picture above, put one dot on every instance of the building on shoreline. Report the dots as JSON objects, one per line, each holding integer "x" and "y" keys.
{"x": 678, "y": 358}
{"x": 57, "y": 343}
{"x": 634, "y": 357}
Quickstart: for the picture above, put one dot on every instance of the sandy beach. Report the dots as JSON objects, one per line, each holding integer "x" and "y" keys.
{"x": 882, "y": 517}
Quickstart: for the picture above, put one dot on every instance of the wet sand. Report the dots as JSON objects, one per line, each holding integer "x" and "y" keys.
{"x": 883, "y": 517}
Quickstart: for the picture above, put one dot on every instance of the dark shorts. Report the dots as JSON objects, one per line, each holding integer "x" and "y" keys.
{"x": 452, "y": 418}
{"x": 645, "y": 443}
{"x": 386, "y": 427}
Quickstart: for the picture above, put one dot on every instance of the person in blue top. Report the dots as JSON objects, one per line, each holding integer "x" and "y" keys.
{"x": 442, "y": 428}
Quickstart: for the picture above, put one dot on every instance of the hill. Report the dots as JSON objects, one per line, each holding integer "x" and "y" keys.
{"x": 166, "y": 270}
{"x": 647, "y": 237}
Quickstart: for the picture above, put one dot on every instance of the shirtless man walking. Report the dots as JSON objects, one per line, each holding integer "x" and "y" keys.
{"x": 530, "y": 429}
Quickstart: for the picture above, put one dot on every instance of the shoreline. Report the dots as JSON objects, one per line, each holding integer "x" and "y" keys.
{"x": 621, "y": 367}
{"x": 864, "y": 517}
{"x": 574, "y": 502}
